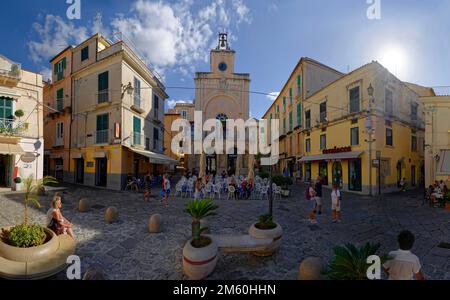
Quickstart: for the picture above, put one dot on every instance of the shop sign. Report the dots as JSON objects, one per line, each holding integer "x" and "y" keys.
{"x": 337, "y": 150}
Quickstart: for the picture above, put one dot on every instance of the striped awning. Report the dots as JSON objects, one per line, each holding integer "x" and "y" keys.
{"x": 9, "y": 93}
{"x": 11, "y": 149}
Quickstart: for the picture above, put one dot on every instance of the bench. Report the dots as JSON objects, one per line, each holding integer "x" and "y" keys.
{"x": 241, "y": 243}
{"x": 39, "y": 269}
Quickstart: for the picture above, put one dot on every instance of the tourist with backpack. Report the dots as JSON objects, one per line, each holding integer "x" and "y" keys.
{"x": 310, "y": 195}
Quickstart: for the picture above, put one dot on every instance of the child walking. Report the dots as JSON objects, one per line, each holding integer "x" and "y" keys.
{"x": 336, "y": 203}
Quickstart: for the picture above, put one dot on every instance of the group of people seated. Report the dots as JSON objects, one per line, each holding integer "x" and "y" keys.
{"x": 436, "y": 192}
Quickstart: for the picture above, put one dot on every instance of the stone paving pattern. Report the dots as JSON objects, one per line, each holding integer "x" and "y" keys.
{"x": 125, "y": 250}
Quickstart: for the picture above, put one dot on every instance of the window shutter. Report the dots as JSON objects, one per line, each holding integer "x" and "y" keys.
{"x": 55, "y": 68}
{"x": 64, "y": 63}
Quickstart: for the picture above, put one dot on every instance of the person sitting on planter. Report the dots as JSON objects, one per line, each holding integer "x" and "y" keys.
{"x": 55, "y": 219}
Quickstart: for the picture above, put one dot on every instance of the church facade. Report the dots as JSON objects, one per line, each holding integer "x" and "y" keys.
{"x": 222, "y": 94}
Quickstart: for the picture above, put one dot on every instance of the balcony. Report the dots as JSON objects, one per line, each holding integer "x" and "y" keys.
{"x": 102, "y": 136}
{"x": 157, "y": 146}
{"x": 10, "y": 72}
{"x": 142, "y": 141}
{"x": 103, "y": 97}
{"x": 10, "y": 127}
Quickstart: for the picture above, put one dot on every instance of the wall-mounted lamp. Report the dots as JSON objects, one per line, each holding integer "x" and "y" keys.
{"x": 127, "y": 89}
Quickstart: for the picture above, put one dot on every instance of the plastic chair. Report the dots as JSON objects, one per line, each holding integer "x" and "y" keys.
{"x": 231, "y": 192}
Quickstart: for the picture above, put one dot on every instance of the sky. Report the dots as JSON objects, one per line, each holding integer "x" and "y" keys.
{"x": 411, "y": 37}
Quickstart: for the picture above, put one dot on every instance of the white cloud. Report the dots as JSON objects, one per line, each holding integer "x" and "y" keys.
{"x": 273, "y": 95}
{"x": 166, "y": 34}
{"x": 172, "y": 102}
{"x": 55, "y": 35}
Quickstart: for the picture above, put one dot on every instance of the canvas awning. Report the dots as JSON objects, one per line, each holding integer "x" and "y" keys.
{"x": 332, "y": 156}
{"x": 444, "y": 163}
{"x": 99, "y": 154}
{"x": 11, "y": 149}
{"x": 155, "y": 158}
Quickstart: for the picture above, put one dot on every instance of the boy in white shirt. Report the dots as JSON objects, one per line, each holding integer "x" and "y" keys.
{"x": 336, "y": 203}
{"x": 404, "y": 265}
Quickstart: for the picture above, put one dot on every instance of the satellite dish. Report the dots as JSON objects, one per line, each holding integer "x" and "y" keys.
{"x": 28, "y": 157}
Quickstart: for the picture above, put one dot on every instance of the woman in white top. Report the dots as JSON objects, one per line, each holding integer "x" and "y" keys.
{"x": 336, "y": 203}
{"x": 55, "y": 219}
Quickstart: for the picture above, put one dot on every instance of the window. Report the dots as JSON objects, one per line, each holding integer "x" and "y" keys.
{"x": 184, "y": 114}
{"x": 284, "y": 125}
{"x": 103, "y": 85}
{"x": 323, "y": 142}
{"x": 147, "y": 144}
{"x": 137, "y": 92}
{"x": 156, "y": 139}
{"x": 6, "y": 109}
{"x": 156, "y": 106}
{"x": 136, "y": 131}
{"x": 414, "y": 111}
{"x": 354, "y": 136}
{"x": 299, "y": 114}
{"x": 59, "y": 133}
{"x": 308, "y": 145}
{"x": 308, "y": 119}
{"x": 388, "y": 102}
{"x": 59, "y": 67}
{"x": 60, "y": 99}
{"x": 323, "y": 112}
{"x": 290, "y": 95}
{"x": 284, "y": 104}
{"x": 354, "y": 100}
{"x": 413, "y": 143}
{"x": 290, "y": 121}
{"x": 85, "y": 53}
{"x": 389, "y": 137}
{"x": 102, "y": 129}
{"x": 299, "y": 84}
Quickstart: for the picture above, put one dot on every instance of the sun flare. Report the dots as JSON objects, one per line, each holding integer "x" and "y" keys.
{"x": 394, "y": 58}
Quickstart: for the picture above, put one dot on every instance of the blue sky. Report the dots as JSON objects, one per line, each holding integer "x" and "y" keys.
{"x": 270, "y": 36}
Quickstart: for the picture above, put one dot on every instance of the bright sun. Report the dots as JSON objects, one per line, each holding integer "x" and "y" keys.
{"x": 394, "y": 59}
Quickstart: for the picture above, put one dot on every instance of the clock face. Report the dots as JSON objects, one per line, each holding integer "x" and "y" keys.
{"x": 222, "y": 66}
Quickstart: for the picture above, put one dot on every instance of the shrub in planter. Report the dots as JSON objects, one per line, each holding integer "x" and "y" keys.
{"x": 199, "y": 209}
{"x": 19, "y": 113}
{"x": 350, "y": 262}
{"x": 25, "y": 236}
{"x": 17, "y": 180}
{"x": 264, "y": 175}
{"x": 265, "y": 222}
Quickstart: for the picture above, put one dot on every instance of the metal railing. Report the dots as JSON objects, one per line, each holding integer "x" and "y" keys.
{"x": 103, "y": 96}
{"x": 11, "y": 127}
{"x": 15, "y": 71}
{"x": 323, "y": 117}
{"x": 102, "y": 136}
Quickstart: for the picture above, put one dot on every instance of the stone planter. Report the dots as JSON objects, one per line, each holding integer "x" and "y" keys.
{"x": 18, "y": 187}
{"x": 198, "y": 263}
{"x": 33, "y": 253}
{"x": 274, "y": 234}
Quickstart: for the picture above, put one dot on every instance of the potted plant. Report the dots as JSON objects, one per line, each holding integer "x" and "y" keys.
{"x": 284, "y": 183}
{"x": 19, "y": 113}
{"x": 200, "y": 252}
{"x": 18, "y": 183}
{"x": 28, "y": 242}
{"x": 266, "y": 228}
{"x": 350, "y": 262}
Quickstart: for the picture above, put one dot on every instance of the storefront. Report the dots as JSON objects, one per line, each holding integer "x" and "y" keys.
{"x": 340, "y": 166}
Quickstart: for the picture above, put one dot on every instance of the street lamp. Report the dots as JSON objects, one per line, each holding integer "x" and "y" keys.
{"x": 370, "y": 91}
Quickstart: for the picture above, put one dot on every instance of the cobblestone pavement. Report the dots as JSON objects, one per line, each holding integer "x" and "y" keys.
{"x": 127, "y": 251}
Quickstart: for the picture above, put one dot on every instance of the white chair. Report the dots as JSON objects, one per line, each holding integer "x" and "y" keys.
{"x": 264, "y": 192}
{"x": 256, "y": 191}
{"x": 179, "y": 189}
{"x": 231, "y": 192}
{"x": 216, "y": 190}
{"x": 208, "y": 189}
{"x": 277, "y": 192}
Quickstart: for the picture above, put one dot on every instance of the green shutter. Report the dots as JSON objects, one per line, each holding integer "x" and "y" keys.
{"x": 136, "y": 125}
{"x": 284, "y": 124}
{"x": 290, "y": 120}
{"x": 299, "y": 114}
{"x": 64, "y": 63}
{"x": 103, "y": 83}
{"x": 6, "y": 108}
{"x": 290, "y": 95}
{"x": 102, "y": 122}
{"x": 55, "y": 68}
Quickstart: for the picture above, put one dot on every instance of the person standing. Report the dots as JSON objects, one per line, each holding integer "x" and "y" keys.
{"x": 166, "y": 189}
{"x": 336, "y": 203}
{"x": 147, "y": 186}
{"x": 310, "y": 195}
{"x": 318, "y": 198}
{"x": 198, "y": 189}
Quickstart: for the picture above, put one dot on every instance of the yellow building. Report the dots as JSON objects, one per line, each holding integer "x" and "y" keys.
{"x": 339, "y": 144}
{"x": 307, "y": 77}
{"x": 117, "y": 115}
{"x": 437, "y": 139}
{"x": 21, "y": 124}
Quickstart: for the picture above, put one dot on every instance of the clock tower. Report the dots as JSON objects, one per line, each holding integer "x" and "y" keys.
{"x": 223, "y": 94}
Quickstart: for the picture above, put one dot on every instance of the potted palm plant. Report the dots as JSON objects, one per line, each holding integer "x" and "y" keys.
{"x": 200, "y": 252}
{"x": 350, "y": 262}
{"x": 28, "y": 242}
{"x": 266, "y": 228}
